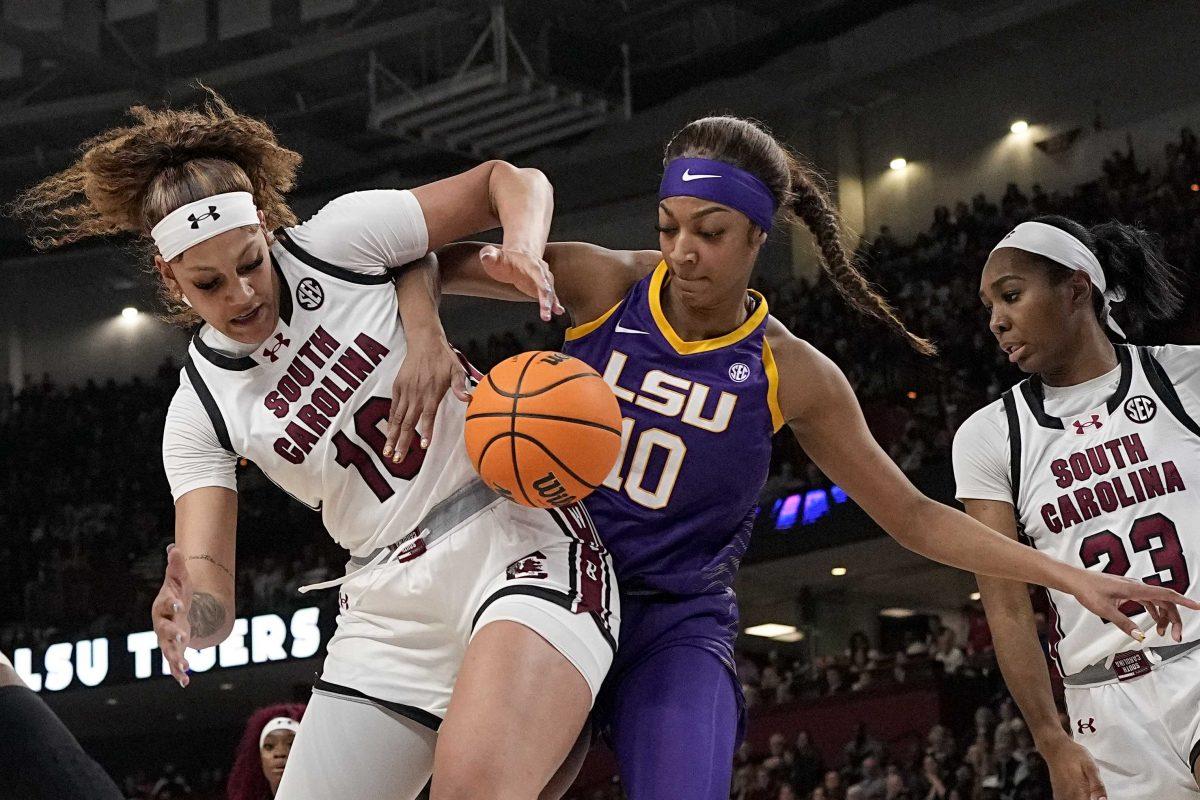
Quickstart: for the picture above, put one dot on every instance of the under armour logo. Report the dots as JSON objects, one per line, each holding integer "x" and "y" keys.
{"x": 1095, "y": 423}
{"x": 270, "y": 352}
{"x": 212, "y": 212}
{"x": 1090, "y": 725}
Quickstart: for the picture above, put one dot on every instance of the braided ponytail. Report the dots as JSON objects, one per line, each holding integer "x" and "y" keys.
{"x": 802, "y": 195}
{"x": 811, "y": 205}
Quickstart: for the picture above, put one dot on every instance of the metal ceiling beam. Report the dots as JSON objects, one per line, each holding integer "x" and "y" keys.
{"x": 533, "y": 107}
{"x": 307, "y": 52}
{"x": 518, "y": 94}
{"x": 510, "y": 138}
{"x": 54, "y": 47}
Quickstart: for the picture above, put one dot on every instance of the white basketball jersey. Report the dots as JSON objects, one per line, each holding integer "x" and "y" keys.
{"x": 1117, "y": 489}
{"x": 310, "y": 405}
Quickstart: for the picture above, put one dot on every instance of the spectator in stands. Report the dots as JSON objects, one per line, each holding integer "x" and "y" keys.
{"x": 807, "y": 764}
{"x": 895, "y": 788}
{"x": 940, "y": 745}
{"x": 948, "y": 653}
{"x": 834, "y": 683}
{"x": 872, "y": 784}
{"x": 863, "y": 746}
{"x": 263, "y": 751}
{"x": 832, "y": 786}
{"x": 930, "y": 784}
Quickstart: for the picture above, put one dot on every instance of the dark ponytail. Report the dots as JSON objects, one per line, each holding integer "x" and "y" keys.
{"x": 801, "y": 193}
{"x": 1132, "y": 260}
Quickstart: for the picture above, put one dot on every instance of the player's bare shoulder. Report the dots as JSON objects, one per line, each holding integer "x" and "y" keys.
{"x": 591, "y": 279}
{"x": 805, "y": 373}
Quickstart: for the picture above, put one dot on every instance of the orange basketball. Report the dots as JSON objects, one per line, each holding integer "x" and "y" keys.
{"x": 543, "y": 429}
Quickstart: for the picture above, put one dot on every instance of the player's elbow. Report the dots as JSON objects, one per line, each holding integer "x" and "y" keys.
{"x": 911, "y": 522}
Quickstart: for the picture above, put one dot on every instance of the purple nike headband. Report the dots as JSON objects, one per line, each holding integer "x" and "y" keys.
{"x": 722, "y": 183}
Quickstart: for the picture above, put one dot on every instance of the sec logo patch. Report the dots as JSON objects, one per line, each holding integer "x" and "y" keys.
{"x": 310, "y": 295}
{"x": 1140, "y": 408}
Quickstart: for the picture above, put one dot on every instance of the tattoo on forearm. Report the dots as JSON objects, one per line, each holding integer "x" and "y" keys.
{"x": 206, "y": 615}
{"x": 214, "y": 562}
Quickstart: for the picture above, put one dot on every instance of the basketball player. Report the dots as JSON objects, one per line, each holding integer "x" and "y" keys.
{"x": 262, "y": 754}
{"x": 705, "y": 376}
{"x": 40, "y": 759}
{"x": 1093, "y": 460}
{"x": 291, "y": 369}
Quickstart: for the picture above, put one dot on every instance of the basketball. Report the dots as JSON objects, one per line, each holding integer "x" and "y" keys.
{"x": 543, "y": 429}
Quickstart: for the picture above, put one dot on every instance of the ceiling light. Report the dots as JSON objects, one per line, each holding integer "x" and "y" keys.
{"x": 1020, "y": 127}
{"x": 897, "y": 613}
{"x": 771, "y": 630}
{"x": 837, "y": 572}
{"x": 898, "y": 164}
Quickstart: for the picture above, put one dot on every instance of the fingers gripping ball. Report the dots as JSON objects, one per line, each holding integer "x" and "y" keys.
{"x": 543, "y": 429}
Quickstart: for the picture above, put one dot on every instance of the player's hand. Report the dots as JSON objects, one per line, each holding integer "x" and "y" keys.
{"x": 169, "y": 613}
{"x": 527, "y": 271}
{"x": 1103, "y": 595}
{"x": 430, "y": 368}
{"x": 1073, "y": 773}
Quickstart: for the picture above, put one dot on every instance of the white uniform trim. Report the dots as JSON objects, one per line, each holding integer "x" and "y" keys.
{"x": 980, "y": 450}
{"x": 1102, "y": 481}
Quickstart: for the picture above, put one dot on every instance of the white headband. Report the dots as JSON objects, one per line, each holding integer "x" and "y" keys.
{"x": 277, "y": 724}
{"x": 1063, "y": 248}
{"x": 201, "y": 220}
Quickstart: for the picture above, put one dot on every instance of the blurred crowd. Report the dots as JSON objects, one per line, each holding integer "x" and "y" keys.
{"x": 86, "y": 513}
{"x": 988, "y": 755}
{"x": 84, "y": 502}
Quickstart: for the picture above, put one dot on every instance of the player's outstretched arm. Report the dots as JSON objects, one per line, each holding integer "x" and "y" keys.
{"x": 1073, "y": 773}
{"x": 590, "y": 280}
{"x": 823, "y": 413}
{"x": 497, "y": 194}
{"x": 195, "y": 606}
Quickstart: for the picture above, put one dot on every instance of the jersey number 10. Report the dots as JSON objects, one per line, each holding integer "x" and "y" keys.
{"x": 350, "y": 454}
{"x": 634, "y": 480}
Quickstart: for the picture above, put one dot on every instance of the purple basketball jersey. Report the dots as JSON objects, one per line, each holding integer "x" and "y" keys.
{"x": 697, "y": 418}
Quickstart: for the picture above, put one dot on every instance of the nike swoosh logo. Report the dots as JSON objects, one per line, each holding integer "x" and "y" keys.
{"x": 622, "y": 329}
{"x": 688, "y": 176}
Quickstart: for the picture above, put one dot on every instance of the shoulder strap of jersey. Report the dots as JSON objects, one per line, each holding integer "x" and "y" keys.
{"x": 1014, "y": 444}
{"x": 209, "y": 403}
{"x": 1160, "y": 382}
{"x": 332, "y": 270}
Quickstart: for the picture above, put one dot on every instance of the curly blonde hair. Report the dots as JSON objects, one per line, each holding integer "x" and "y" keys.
{"x": 128, "y": 178}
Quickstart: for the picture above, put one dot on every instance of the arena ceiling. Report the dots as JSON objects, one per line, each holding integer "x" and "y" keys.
{"x": 317, "y": 68}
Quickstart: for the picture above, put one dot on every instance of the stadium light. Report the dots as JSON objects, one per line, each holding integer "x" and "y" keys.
{"x": 837, "y": 572}
{"x": 771, "y": 630}
{"x": 1020, "y": 127}
{"x": 898, "y": 164}
{"x": 897, "y": 613}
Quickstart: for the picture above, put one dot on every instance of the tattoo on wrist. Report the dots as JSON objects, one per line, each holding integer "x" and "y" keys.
{"x": 206, "y": 615}
{"x": 213, "y": 561}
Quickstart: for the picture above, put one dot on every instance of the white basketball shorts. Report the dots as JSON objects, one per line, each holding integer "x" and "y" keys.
{"x": 404, "y": 625}
{"x": 1144, "y": 733}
